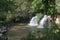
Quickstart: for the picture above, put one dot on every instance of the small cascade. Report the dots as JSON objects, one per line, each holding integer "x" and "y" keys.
{"x": 33, "y": 21}
{"x": 44, "y": 22}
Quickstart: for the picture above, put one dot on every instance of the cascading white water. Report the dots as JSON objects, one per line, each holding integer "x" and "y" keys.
{"x": 43, "y": 23}
{"x": 33, "y": 21}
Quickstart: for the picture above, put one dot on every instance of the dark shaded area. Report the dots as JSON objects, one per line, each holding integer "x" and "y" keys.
{"x": 2, "y": 18}
{"x": 22, "y": 20}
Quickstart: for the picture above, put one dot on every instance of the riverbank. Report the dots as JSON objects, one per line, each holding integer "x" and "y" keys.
{"x": 18, "y": 31}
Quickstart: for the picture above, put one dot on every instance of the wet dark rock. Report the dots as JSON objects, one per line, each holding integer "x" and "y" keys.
{"x": 4, "y": 32}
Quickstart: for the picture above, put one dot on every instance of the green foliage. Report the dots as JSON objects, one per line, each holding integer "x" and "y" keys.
{"x": 7, "y": 5}
{"x": 53, "y": 32}
{"x": 47, "y": 6}
{"x": 58, "y": 5}
{"x": 7, "y": 8}
{"x": 37, "y": 5}
{"x": 29, "y": 37}
{"x": 11, "y": 9}
{"x": 50, "y": 7}
{"x": 39, "y": 16}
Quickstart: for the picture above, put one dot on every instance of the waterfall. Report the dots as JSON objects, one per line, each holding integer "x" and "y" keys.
{"x": 33, "y": 21}
{"x": 44, "y": 22}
